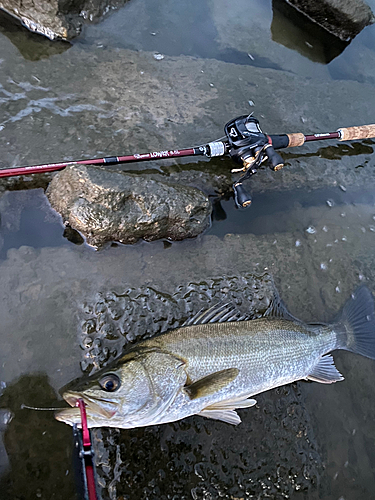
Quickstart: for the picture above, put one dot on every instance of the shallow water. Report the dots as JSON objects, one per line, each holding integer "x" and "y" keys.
{"x": 66, "y": 308}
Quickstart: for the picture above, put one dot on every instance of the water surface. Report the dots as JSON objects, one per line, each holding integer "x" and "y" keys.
{"x": 66, "y": 308}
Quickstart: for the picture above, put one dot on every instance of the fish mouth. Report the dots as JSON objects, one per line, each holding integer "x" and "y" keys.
{"x": 94, "y": 410}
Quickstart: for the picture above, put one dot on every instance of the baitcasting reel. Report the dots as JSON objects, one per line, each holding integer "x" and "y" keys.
{"x": 250, "y": 147}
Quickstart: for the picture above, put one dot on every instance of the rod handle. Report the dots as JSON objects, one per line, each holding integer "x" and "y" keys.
{"x": 296, "y": 140}
{"x": 353, "y": 133}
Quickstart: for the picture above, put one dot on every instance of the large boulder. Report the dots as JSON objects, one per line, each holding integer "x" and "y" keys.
{"x": 343, "y": 18}
{"x": 116, "y": 206}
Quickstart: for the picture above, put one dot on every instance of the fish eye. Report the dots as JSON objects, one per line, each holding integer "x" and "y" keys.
{"x": 110, "y": 382}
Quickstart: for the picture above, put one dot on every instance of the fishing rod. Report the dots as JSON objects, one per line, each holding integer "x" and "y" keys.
{"x": 85, "y": 468}
{"x": 83, "y": 453}
{"x": 245, "y": 143}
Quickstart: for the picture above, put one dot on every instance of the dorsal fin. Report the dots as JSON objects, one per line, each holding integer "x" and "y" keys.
{"x": 215, "y": 314}
{"x": 277, "y": 309}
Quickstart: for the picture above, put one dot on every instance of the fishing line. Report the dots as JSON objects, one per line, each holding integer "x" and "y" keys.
{"x": 41, "y": 409}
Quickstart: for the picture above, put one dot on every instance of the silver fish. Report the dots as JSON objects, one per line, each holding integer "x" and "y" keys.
{"x": 215, "y": 364}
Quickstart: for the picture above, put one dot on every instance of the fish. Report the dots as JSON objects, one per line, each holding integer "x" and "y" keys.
{"x": 217, "y": 362}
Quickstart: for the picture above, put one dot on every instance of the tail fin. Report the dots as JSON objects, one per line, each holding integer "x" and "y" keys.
{"x": 355, "y": 325}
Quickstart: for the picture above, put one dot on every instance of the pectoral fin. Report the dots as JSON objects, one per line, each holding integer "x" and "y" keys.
{"x": 325, "y": 371}
{"x": 212, "y": 383}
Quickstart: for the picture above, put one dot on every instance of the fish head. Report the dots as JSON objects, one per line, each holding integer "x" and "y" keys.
{"x": 113, "y": 397}
{"x": 134, "y": 392}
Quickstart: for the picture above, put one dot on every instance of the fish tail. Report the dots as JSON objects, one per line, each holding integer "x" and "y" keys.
{"x": 355, "y": 324}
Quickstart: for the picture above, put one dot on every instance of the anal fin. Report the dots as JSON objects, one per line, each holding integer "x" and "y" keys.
{"x": 325, "y": 371}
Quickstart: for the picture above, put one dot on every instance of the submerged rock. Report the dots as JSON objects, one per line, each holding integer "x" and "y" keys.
{"x": 342, "y": 18}
{"x": 116, "y": 206}
{"x": 296, "y": 31}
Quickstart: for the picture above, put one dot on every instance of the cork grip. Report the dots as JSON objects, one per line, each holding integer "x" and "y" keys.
{"x": 353, "y": 133}
{"x": 296, "y": 140}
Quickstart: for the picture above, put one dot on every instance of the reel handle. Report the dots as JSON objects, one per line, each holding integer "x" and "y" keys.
{"x": 276, "y": 161}
{"x": 241, "y": 196}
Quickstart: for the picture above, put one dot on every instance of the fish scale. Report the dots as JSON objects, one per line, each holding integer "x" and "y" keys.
{"x": 269, "y": 353}
{"x": 212, "y": 369}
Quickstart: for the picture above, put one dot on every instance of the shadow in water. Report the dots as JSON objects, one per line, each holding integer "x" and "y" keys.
{"x": 39, "y": 448}
{"x": 251, "y": 220}
{"x": 27, "y": 219}
{"x": 260, "y": 217}
{"x": 73, "y": 236}
{"x": 32, "y": 46}
{"x": 336, "y": 151}
{"x": 295, "y": 31}
{"x": 218, "y": 212}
